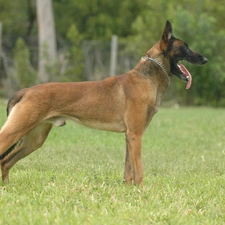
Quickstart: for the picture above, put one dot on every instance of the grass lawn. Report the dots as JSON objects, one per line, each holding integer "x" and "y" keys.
{"x": 76, "y": 177}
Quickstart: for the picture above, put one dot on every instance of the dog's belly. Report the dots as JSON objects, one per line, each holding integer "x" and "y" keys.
{"x": 108, "y": 126}
{"x": 115, "y": 126}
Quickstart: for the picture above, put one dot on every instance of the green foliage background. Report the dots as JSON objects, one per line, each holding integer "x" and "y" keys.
{"x": 139, "y": 24}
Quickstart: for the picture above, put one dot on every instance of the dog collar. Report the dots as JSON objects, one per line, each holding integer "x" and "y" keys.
{"x": 157, "y": 62}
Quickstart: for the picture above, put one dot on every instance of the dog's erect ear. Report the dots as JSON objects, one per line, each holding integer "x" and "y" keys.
{"x": 166, "y": 36}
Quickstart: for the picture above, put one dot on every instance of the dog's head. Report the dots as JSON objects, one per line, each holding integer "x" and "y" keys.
{"x": 176, "y": 50}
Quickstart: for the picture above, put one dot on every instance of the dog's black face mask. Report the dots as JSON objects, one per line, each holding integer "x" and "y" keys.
{"x": 177, "y": 50}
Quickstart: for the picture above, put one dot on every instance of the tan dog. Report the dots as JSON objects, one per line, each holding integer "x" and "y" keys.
{"x": 124, "y": 103}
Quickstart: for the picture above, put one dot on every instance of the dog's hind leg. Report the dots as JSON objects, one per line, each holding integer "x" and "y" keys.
{"x": 19, "y": 122}
{"x": 33, "y": 140}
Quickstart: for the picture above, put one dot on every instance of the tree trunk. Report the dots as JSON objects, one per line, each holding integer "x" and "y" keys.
{"x": 47, "y": 40}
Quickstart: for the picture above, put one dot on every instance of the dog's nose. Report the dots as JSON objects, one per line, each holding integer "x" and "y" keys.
{"x": 205, "y": 60}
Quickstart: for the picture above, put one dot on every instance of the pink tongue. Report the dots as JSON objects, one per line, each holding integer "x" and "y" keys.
{"x": 187, "y": 74}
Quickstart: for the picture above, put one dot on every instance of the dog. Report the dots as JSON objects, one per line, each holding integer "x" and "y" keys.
{"x": 124, "y": 103}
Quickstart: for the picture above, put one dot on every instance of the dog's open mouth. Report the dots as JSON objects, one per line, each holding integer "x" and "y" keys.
{"x": 186, "y": 73}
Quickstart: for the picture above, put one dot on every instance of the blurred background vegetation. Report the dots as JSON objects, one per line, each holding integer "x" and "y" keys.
{"x": 84, "y": 30}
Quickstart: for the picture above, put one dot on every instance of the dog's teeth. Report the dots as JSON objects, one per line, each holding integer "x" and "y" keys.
{"x": 188, "y": 77}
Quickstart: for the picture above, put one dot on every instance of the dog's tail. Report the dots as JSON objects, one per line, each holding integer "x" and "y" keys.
{"x": 11, "y": 103}
{"x": 14, "y": 100}
{"x": 8, "y": 151}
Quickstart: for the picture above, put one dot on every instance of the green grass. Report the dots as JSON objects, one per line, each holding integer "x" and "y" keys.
{"x": 76, "y": 177}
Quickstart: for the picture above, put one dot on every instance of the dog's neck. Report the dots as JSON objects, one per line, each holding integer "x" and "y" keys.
{"x": 157, "y": 62}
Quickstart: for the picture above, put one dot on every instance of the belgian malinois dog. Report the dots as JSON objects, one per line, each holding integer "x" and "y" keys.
{"x": 124, "y": 103}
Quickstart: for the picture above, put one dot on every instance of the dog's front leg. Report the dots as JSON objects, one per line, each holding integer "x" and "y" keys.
{"x": 128, "y": 173}
{"x": 133, "y": 164}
